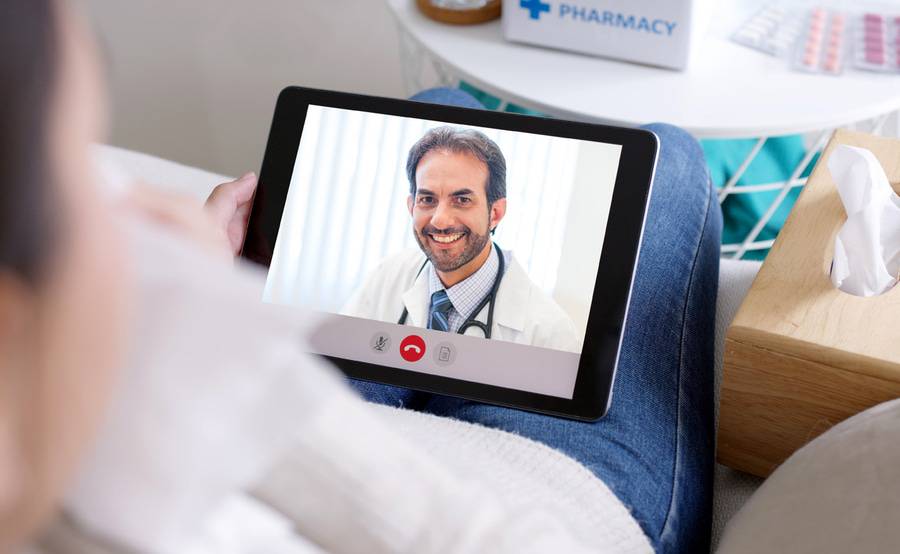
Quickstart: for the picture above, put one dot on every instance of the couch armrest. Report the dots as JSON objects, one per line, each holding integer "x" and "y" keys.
{"x": 165, "y": 174}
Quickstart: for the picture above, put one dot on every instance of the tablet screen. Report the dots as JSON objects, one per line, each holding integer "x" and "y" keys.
{"x": 454, "y": 250}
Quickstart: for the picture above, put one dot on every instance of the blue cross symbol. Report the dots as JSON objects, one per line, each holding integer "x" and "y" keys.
{"x": 535, "y": 7}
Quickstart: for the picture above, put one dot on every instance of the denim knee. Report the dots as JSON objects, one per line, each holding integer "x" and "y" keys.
{"x": 673, "y": 138}
{"x": 679, "y": 149}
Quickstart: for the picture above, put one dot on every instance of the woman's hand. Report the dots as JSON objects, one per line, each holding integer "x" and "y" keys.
{"x": 229, "y": 206}
{"x": 219, "y": 225}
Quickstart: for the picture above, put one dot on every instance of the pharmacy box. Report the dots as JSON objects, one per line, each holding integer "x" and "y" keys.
{"x": 654, "y": 32}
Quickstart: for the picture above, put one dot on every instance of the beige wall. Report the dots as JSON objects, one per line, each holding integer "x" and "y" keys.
{"x": 196, "y": 80}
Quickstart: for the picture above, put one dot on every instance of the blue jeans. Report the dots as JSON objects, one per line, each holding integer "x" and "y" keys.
{"x": 654, "y": 449}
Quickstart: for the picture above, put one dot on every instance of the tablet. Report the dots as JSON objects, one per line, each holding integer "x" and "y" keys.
{"x": 462, "y": 252}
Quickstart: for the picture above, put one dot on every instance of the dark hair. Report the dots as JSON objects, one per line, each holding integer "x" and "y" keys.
{"x": 461, "y": 140}
{"x": 28, "y": 42}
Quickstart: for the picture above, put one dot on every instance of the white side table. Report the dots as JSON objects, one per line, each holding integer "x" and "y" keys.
{"x": 729, "y": 91}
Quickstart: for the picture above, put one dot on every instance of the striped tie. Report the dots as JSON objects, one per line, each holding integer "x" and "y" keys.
{"x": 439, "y": 317}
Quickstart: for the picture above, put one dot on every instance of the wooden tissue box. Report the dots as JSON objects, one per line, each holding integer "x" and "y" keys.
{"x": 801, "y": 355}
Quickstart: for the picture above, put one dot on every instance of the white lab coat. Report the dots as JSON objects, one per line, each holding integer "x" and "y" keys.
{"x": 523, "y": 313}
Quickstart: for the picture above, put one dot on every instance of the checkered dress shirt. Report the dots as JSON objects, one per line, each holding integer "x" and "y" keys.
{"x": 468, "y": 293}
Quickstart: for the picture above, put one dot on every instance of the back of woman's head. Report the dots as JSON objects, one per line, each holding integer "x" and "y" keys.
{"x": 28, "y": 44}
{"x": 64, "y": 286}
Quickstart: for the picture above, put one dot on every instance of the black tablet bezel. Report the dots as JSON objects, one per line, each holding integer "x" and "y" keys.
{"x": 618, "y": 260}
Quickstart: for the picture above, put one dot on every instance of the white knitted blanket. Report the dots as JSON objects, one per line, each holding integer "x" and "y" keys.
{"x": 434, "y": 484}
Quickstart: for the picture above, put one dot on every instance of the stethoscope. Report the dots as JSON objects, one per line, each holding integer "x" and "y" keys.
{"x": 486, "y": 301}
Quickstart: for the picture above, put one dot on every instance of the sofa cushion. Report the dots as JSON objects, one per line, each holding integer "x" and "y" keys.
{"x": 839, "y": 493}
{"x": 730, "y": 488}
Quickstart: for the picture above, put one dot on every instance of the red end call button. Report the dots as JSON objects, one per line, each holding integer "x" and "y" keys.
{"x": 412, "y": 348}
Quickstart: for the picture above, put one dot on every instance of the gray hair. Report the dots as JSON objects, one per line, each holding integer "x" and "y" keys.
{"x": 461, "y": 140}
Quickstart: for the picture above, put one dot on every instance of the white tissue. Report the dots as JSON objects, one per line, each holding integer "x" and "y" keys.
{"x": 216, "y": 387}
{"x": 867, "y": 247}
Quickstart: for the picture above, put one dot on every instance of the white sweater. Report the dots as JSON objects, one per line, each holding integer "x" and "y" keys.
{"x": 208, "y": 402}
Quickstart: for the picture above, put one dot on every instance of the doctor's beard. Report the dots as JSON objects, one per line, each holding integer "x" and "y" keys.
{"x": 445, "y": 259}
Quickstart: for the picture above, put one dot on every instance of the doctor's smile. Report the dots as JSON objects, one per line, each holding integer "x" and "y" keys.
{"x": 445, "y": 238}
{"x": 451, "y": 249}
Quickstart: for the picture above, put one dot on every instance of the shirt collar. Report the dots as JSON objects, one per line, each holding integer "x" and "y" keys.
{"x": 468, "y": 293}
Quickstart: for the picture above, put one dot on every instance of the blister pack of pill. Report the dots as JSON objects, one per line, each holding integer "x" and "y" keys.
{"x": 822, "y": 44}
{"x": 773, "y": 30}
{"x": 876, "y": 42}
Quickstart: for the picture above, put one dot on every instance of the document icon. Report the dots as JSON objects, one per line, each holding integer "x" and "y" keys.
{"x": 444, "y": 354}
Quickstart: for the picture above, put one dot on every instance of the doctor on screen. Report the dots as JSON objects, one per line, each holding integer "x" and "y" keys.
{"x": 459, "y": 280}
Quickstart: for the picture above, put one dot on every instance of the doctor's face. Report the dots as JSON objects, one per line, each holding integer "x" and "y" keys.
{"x": 452, "y": 218}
